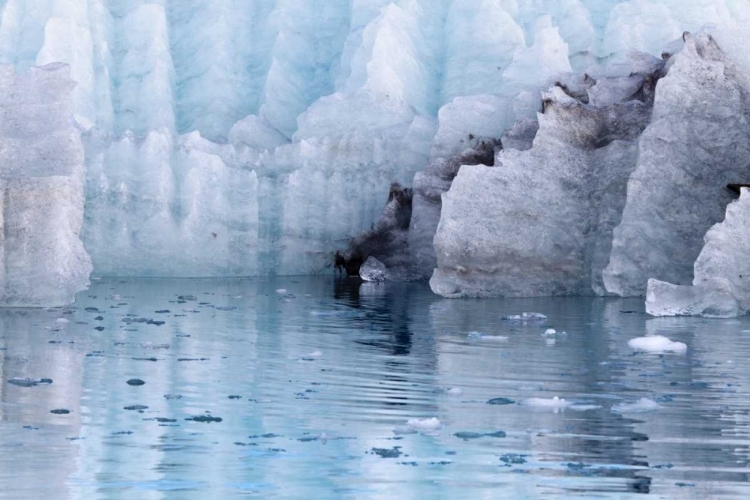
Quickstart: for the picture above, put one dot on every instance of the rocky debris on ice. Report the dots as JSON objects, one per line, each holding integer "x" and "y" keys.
{"x": 721, "y": 286}
{"x": 386, "y": 242}
{"x": 591, "y": 206}
{"x": 430, "y": 185}
{"x": 42, "y": 260}
{"x": 657, "y": 344}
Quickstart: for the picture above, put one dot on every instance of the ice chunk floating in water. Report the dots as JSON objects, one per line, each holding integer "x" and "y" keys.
{"x": 657, "y": 344}
{"x": 643, "y": 405}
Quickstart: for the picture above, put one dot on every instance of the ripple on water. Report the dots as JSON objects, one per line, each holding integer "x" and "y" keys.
{"x": 317, "y": 388}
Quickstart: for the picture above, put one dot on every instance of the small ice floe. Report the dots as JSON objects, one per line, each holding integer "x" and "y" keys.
{"x": 151, "y": 345}
{"x": 550, "y": 331}
{"x": 281, "y": 291}
{"x": 424, "y": 424}
{"x": 62, "y": 320}
{"x": 643, "y": 405}
{"x": 483, "y": 337}
{"x": 525, "y": 317}
{"x": 454, "y": 391}
{"x": 556, "y": 404}
{"x": 115, "y": 296}
{"x": 657, "y": 344}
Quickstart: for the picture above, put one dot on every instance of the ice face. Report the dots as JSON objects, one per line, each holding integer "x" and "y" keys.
{"x": 41, "y": 182}
{"x": 540, "y": 221}
{"x": 721, "y": 287}
{"x": 307, "y": 109}
{"x": 624, "y": 178}
{"x": 697, "y": 143}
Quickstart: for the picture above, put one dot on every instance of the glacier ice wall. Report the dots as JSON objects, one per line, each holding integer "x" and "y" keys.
{"x": 540, "y": 221}
{"x": 627, "y": 172}
{"x": 721, "y": 287}
{"x": 257, "y": 136}
{"x": 697, "y": 143}
{"x": 42, "y": 259}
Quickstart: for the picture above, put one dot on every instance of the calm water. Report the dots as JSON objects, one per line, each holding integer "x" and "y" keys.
{"x": 315, "y": 387}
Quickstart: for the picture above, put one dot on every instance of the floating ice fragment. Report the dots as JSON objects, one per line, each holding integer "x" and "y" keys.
{"x": 557, "y": 404}
{"x": 373, "y": 270}
{"x": 62, "y": 320}
{"x": 151, "y": 345}
{"x": 657, "y": 344}
{"x": 426, "y": 424}
{"x": 281, "y": 291}
{"x": 550, "y": 331}
{"x": 643, "y": 405}
{"x": 455, "y": 391}
{"x": 525, "y": 317}
{"x": 482, "y": 336}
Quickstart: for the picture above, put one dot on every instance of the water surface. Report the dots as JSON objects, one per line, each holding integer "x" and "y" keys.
{"x": 314, "y": 382}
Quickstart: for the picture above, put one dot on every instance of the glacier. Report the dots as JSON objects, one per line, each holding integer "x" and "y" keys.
{"x": 42, "y": 258}
{"x": 721, "y": 287}
{"x": 260, "y": 137}
{"x": 626, "y": 174}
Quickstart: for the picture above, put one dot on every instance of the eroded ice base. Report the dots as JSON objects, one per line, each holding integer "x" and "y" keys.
{"x": 721, "y": 287}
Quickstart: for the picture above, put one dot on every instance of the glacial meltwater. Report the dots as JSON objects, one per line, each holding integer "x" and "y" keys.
{"x": 316, "y": 388}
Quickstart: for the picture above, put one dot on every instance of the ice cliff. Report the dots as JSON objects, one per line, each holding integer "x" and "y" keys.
{"x": 626, "y": 174}
{"x": 42, "y": 259}
{"x": 255, "y": 137}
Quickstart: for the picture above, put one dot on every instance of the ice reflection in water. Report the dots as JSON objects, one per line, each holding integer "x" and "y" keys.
{"x": 315, "y": 386}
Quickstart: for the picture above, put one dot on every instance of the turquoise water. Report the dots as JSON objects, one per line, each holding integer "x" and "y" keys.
{"x": 315, "y": 382}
